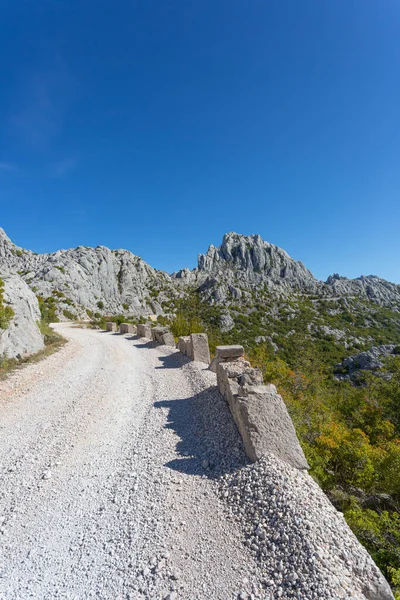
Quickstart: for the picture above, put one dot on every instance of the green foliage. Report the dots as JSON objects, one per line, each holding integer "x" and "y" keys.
{"x": 6, "y": 312}
{"x": 185, "y": 326}
{"x": 69, "y": 315}
{"x": 48, "y": 309}
{"x": 50, "y": 336}
{"x": 380, "y": 534}
{"x": 62, "y": 269}
{"x": 100, "y": 304}
{"x": 125, "y": 306}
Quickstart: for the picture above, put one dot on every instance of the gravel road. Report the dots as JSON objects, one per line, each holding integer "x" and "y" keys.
{"x": 110, "y": 451}
{"x": 123, "y": 477}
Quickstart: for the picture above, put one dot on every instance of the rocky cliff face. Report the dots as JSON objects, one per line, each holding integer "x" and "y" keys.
{"x": 22, "y": 336}
{"x": 245, "y": 263}
{"x": 89, "y": 278}
{"x": 369, "y": 287}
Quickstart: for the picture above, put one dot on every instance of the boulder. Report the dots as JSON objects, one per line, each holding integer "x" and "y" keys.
{"x": 127, "y": 328}
{"x": 110, "y": 326}
{"x": 198, "y": 349}
{"x": 144, "y": 331}
{"x": 167, "y": 339}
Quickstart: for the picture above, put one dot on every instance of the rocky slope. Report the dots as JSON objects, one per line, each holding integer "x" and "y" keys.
{"x": 115, "y": 281}
{"x": 121, "y": 281}
{"x": 22, "y": 335}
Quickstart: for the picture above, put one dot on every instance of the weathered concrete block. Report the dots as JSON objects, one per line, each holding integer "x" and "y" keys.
{"x": 144, "y": 331}
{"x": 127, "y": 328}
{"x": 110, "y": 326}
{"x": 198, "y": 348}
{"x": 229, "y": 351}
{"x": 167, "y": 339}
{"x": 260, "y": 414}
{"x": 218, "y": 359}
{"x": 157, "y": 333}
{"x": 183, "y": 344}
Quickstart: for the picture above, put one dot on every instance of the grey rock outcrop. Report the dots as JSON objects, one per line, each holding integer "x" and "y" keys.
{"x": 371, "y": 360}
{"x": 22, "y": 337}
{"x": 92, "y": 278}
{"x": 368, "y": 287}
{"x": 117, "y": 281}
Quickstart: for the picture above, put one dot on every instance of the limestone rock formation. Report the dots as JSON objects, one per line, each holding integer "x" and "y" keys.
{"x": 91, "y": 278}
{"x": 117, "y": 281}
{"x": 371, "y": 360}
{"x": 22, "y": 337}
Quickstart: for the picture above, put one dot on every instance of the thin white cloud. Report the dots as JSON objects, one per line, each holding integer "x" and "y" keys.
{"x": 5, "y": 166}
{"x": 62, "y": 167}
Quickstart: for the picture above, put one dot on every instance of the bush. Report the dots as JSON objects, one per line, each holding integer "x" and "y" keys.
{"x": 6, "y": 312}
{"x": 100, "y": 304}
{"x": 68, "y": 315}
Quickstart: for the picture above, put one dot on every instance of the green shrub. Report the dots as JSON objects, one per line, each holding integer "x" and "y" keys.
{"x": 6, "y": 312}
{"x": 68, "y": 315}
{"x": 100, "y": 304}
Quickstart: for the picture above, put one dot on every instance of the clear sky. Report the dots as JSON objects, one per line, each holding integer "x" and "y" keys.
{"x": 159, "y": 125}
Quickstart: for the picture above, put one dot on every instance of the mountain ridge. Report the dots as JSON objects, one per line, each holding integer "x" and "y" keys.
{"x": 121, "y": 281}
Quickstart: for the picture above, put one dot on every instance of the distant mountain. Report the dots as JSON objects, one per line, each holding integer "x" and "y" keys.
{"x": 117, "y": 281}
{"x": 248, "y": 262}
{"x": 256, "y": 289}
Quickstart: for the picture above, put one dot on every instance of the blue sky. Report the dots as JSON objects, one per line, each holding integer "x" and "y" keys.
{"x": 159, "y": 125}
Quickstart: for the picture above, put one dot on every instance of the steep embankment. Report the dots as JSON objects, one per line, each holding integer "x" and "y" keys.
{"x": 124, "y": 476}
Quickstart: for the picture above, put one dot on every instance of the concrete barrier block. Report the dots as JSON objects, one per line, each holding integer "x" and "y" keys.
{"x": 167, "y": 339}
{"x": 127, "y": 328}
{"x": 265, "y": 425}
{"x": 259, "y": 413}
{"x": 198, "y": 348}
{"x": 183, "y": 344}
{"x": 144, "y": 331}
{"x": 110, "y": 326}
{"x": 229, "y": 351}
{"x": 157, "y": 333}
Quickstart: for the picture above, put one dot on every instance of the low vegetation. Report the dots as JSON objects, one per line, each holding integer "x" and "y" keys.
{"x": 6, "y": 312}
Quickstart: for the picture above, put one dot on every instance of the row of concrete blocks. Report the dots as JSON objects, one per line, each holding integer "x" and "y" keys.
{"x": 123, "y": 328}
{"x": 258, "y": 410}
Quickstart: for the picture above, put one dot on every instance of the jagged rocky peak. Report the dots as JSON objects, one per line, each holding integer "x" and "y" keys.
{"x": 257, "y": 260}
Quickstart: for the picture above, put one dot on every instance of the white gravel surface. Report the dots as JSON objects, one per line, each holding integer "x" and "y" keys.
{"x": 108, "y": 463}
{"x": 123, "y": 477}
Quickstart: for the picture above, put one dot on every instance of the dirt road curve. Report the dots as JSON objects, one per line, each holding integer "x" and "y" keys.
{"x": 109, "y": 457}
